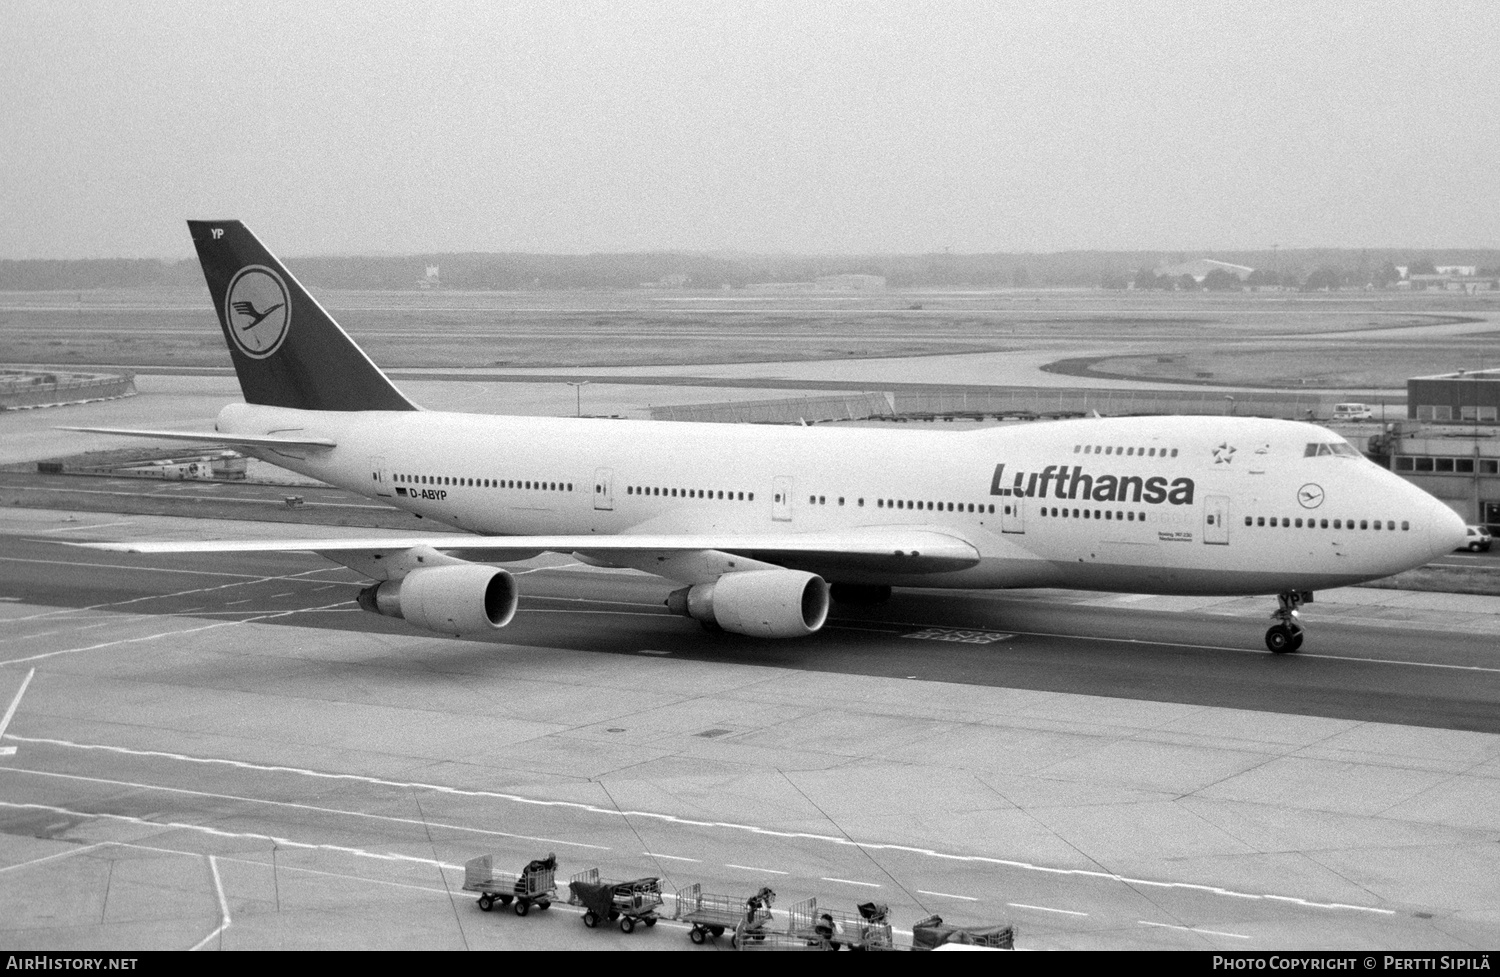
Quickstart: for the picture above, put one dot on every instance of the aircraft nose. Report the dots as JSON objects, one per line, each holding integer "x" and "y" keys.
{"x": 1446, "y": 531}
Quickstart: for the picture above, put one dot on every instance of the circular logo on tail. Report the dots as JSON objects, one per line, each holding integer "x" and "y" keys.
{"x": 258, "y": 309}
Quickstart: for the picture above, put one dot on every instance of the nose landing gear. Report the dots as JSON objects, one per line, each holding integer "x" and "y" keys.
{"x": 1286, "y": 636}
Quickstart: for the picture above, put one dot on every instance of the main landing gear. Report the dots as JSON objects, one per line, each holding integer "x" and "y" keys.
{"x": 1286, "y": 636}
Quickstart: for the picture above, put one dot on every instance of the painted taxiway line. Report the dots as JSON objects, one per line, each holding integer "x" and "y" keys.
{"x": 750, "y": 829}
{"x": 241, "y": 580}
{"x": 1190, "y": 929}
{"x": 293, "y": 805}
{"x": 1044, "y": 909}
{"x": 170, "y": 634}
{"x": 947, "y": 895}
{"x": 224, "y": 921}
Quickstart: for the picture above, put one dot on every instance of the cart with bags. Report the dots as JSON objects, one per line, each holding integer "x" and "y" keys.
{"x": 535, "y": 886}
{"x": 931, "y": 933}
{"x": 711, "y": 914}
{"x": 631, "y": 902}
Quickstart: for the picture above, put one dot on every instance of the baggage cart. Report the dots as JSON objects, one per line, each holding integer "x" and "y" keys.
{"x": 864, "y": 929}
{"x": 769, "y": 939}
{"x": 631, "y": 902}
{"x": 931, "y": 933}
{"x": 535, "y": 886}
{"x": 711, "y": 914}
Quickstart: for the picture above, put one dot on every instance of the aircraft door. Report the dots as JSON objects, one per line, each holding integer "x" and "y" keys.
{"x": 1012, "y": 514}
{"x": 604, "y": 489}
{"x": 1216, "y": 519}
{"x": 380, "y": 479}
{"x": 781, "y": 498}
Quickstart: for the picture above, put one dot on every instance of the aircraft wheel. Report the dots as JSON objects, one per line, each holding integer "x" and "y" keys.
{"x": 590, "y": 920}
{"x": 627, "y": 924}
{"x": 1279, "y": 639}
{"x": 1297, "y": 641}
{"x": 696, "y": 935}
{"x": 486, "y": 903}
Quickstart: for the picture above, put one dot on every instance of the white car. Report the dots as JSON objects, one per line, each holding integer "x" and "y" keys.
{"x": 1476, "y": 539}
{"x": 1352, "y": 412}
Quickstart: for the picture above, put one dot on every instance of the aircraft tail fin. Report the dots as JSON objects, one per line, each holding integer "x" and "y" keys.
{"x": 287, "y": 350}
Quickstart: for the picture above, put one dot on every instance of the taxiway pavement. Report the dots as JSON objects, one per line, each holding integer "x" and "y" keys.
{"x": 225, "y": 753}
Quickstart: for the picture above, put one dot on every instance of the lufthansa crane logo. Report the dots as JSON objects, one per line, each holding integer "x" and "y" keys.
{"x": 1310, "y": 496}
{"x": 257, "y": 309}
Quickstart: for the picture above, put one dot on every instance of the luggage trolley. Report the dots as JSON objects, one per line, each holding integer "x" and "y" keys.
{"x": 865, "y": 929}
{"x": 712, "y": 914}
{"x": 932, "y": 932}
{"x": 535, "y": 886}
{"x": 631, "y": 902}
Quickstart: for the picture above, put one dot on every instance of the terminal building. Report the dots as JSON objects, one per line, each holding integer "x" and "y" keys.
{"x": 1449, "y": 445}
{"x": 1471, "y": 397}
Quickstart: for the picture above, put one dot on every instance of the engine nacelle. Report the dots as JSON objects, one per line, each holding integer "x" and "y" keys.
{"x": 460, "y": 599}
{"x": 760, "y": 603}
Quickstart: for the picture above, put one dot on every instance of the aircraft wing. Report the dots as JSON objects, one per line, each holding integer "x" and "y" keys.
{"x": 695, "y": 556}
{"x": 214, "y": 437}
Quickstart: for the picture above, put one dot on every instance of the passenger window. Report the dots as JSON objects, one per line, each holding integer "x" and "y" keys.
{"x": 1405, "y": 525}
{"x": 1174, "y": 452}
{"x": 1249, "y": 521}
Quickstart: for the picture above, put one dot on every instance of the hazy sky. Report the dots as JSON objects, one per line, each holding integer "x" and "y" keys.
{"x": 804, "y": 127}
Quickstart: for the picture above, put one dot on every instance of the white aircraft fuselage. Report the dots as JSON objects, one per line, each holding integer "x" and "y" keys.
{"x": 1161, "y": 505}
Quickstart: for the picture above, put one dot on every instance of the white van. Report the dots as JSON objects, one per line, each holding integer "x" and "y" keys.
{"x": 1352, "y": 412}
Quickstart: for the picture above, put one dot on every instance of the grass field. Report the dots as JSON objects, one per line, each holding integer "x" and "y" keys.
{"x": 1301, "y": 341}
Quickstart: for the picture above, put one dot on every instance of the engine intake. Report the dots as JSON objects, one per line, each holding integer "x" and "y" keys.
{"x": 760, "y": 603}
{"x": 462, "y": 599}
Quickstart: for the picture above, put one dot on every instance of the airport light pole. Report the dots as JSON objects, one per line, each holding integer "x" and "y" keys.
{"x": 578, "y": 386}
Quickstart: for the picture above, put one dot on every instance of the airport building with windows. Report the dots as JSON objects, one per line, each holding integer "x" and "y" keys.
{"x": 1465, "y": 397}
{"x": 1449, "y": 444}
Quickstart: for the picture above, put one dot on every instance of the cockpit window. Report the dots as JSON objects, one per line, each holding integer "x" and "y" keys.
{"x": 1341, "y": 448}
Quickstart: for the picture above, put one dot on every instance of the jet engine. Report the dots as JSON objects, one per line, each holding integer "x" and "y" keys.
{"x": 760, "y": 603}
{"x": 460, "y": 599}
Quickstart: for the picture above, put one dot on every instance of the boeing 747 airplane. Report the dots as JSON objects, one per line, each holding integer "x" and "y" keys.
{"x": 765, "y": 526}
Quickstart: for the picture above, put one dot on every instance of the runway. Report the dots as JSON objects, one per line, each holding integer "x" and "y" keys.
{"x": 225, "y": 752}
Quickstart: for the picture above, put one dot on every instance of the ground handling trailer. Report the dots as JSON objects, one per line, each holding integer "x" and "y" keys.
{"x": 832, "y": 929}
{"x": 631, "y": 902}
{"x": 932, "y": 932}
{"x": 711, "y": 914}
{"x": 535, "y": 886}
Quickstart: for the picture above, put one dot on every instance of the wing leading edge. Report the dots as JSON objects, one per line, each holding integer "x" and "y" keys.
{"x": 690, "y": 557}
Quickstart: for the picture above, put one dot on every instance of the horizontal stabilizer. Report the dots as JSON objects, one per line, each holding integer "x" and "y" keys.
{"x": 214, "y": 437}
